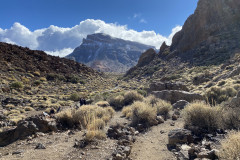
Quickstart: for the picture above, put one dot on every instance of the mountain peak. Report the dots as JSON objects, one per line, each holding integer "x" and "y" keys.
{"x": 105, "y": 53}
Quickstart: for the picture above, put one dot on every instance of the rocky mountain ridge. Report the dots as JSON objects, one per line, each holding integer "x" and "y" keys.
{"x": 210, "y": 36}
{"x": 105, "y": 53}
{"x": 16, "y": 58}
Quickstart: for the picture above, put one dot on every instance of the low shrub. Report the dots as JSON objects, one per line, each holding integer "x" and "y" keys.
{"x": 230, "y": 147}
{"x": 131, "y": 96}
{"x": 151, "y": 100}
{"x": 74, "y": 97}
{"x": 127, "y": 112}
{"x": 65, "y": 118}
{"x": 217, "y": 95}
{"x": 163, "y": 107}
{"x": 203, "y": 116}
{"x": 231, "y": 117}
{"x": 143, "y": 113}
{"x": 16, "y": 85}
{"x": 86, "y": 114}
{"x": 37, "y": 83}
{"x": 117, "y": 102}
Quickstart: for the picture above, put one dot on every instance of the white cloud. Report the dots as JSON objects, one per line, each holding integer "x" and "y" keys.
{"x": 136, "y": 15}
{"x": 61, "y": 41}
{"x": 174, "y": 31}
{"x": 143, "y": 20}
{"x": 61, "y": 53}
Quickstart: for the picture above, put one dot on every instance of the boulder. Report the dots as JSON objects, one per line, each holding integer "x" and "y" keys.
{"x": 181, "y": 104}
{"x": 26, "y": 128}
{"x": 160, "y": 86}
{"x": 174, "y": 95}
{"x": 208, "y": 154}
{"x": 179, "y": 136}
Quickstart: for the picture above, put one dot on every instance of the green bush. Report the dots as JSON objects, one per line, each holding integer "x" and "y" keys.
{"x": 37, "y": 83}
{"x": 74, "y": 97}
{"x": 16, "y": 85}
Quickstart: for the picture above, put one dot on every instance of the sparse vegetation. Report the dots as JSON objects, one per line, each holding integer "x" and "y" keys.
{"x": 74, "y": 97}
{"x": 16, "y": 85}
{"x": 163, "y": 107}
{"x": 131, "y": 96}
{"x": 127, "y": 112}
{"x": 217, "y": 95}
{"x": 230, "y": 147}
{"x": 117, "y": 102}
{"x": 203, "y": 116}
{"x": 142, "y": 113}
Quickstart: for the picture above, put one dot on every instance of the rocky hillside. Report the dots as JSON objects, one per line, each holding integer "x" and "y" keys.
{"x": 210, "y": 36}
{"x": 105, "y": 53}
{"x": 21, "y": 59}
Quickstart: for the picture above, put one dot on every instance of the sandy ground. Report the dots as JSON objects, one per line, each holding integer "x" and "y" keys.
{"x": 152, "y": 145}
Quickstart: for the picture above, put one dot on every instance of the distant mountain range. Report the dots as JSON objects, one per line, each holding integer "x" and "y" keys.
{"x": 108, "y": 54}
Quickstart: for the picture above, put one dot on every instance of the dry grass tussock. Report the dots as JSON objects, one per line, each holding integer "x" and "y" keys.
{"x": 102, "y": 104}
{"x": 127, "y": 112}
{"x": 163, "y": 107}
{"x": 217, "y": 95}
{"x": 117, "y": 102}
{"x": 126, "y": 99}
{"x": 202, "y": 115}
{"x": 142, "y": 113}
{"x": 146, "y": 111}
{"x": 131, "y": 96}
{"x": 90, "y": 117}
{"x": 230, "y": 147}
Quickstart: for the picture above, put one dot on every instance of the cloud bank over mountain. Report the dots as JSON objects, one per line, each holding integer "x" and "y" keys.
{"x": 61, "y": 41}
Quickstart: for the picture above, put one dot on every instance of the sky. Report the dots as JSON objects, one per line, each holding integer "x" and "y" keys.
{"x": 58, "y": 26}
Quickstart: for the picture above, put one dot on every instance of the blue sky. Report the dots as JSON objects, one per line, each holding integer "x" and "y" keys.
{"x": 159, "y": 16}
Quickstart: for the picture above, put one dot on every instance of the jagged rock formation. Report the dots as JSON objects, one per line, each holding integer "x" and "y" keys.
{"x": 213, "y": 21}
{"x": 105, "y": 53}
{"x": 210, "y": 36}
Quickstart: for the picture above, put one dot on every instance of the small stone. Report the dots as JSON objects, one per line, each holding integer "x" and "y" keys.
{"x": 17, "y": 152}
{"x": 174, "y": 117}
{"x": 71, "y": 133}
{"x": 40, "y": 146}
{"x": 162, "y": 132}
{"x": 136, "y": 133}
{"x": 160, "y": 119}
{"x": 172, "y": 124}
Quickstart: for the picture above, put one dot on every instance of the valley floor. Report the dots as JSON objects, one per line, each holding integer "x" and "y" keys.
{"x": 150, "y": 145}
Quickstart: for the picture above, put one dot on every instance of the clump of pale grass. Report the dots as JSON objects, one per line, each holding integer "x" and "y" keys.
{"x": 143, "y": 113}
{"x": 127, "y": 112}
{"x": 230, "y": 147}
{"x": 202, "y": 115}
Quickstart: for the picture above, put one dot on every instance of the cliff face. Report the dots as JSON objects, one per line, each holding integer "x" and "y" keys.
{"x": 210, "y": 36}
{"x": 105, "y": 53}
{"x": 213, "y": 21}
